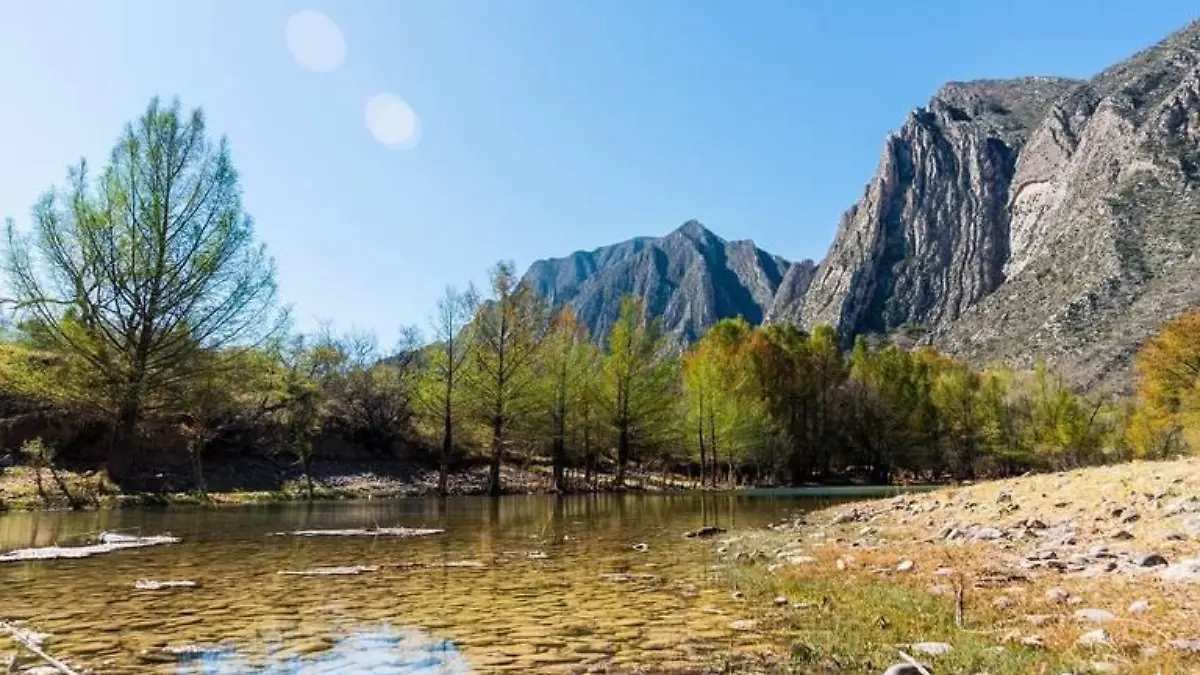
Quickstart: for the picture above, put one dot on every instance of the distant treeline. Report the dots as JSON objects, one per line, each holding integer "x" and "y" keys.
{"x": 145, "y": 313}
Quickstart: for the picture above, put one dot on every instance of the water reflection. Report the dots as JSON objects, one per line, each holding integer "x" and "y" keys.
{"x": 543, "y": 594}
{"x": 377, "y": 651}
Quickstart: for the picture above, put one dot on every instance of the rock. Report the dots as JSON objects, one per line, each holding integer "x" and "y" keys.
{"x": 641, "y": 547}
{"x": 1058, "y": 595}
{"x": 944, "y": 572}
{"x": 931, "y": 648}
{"x": 1191, "y": 525}
{"x": 341, "y": 571}
{"x": 1139, "y": 607}
{"x": 1005, "y": 497}
{"x": 1002, "y": 602}
{"x": 738, "y": 596}
{"x": 847, "y": 517}
{"x": 1034, "y": 641}
{"x": 1174, "y": 536}
{"x": 1105, "y": 667}
{"x": 1191, "y": 646}
{"x": 903, "y": 669}
{"x": 1186, "y": 571}
{"x": 1122, "y": 535}
{"x": 801, "y": 560}
{"x": 780, "y": 601}
{"x": 705, "y": 532}
{"x": 988, "y": 534}
{"x": 1130, "y": 516}
{"x": 1094, "y": 615}
{"x": 743, "y": 625}
{"x": 1151, "y": 560}
{"x": 905, "y": 566}
{"x": 1091, "y": 639}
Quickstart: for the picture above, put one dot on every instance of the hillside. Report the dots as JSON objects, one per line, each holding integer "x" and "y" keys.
{"x": 1033, "y": 217}
{"x": 691, "y": 278}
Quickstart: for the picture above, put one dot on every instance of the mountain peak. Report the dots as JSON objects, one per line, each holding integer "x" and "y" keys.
{"x": 693, "y": 229}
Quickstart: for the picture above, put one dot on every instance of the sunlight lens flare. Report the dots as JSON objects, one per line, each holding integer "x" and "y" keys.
{"x": 392, "y": 121}
{"x": 315, "y": 41}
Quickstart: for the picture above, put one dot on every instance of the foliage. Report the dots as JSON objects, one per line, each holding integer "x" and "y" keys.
{"x": 132, "y": 277}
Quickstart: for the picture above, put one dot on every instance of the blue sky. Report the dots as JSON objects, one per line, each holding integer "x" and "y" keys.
{"x": 546, "y": 126}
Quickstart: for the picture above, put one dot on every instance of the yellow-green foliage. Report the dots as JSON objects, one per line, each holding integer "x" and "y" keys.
{"x": 1167, "y": 417}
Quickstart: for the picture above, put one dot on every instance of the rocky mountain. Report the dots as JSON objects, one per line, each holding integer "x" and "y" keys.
{"x": 1029, "y": 217}
{"x": 691, "y": 278}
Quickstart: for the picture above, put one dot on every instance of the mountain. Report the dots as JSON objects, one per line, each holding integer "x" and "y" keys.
{"x": 1013, "y": 219}
{"x": 691, "y": 278}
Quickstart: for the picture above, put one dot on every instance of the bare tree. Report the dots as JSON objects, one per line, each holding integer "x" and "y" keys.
{"x": 138, "y": 273}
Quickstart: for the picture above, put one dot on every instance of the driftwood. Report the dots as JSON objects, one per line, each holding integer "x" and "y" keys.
{"x": 343, "y": 571}
{"x": 400, "y": 532}
{"x": 457, "y": 564}
{"x": 31, "y": 641}
{"x": 108, "y": 542}
{"x": 152, "y": 585}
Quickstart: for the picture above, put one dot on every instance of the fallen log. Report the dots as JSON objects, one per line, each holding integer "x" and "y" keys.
{"x": 32, "y": 642}
{"x": 399, "y": 532}
{"x": 108, "y": 543}
{"x": 152, "y": 585}
{"x": 342, "y": 571}
{"x": 457, "y": 564}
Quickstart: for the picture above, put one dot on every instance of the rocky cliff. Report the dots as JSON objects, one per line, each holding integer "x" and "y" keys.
{"x": 691, "y": 278}
{"x": 1029, "y": 217}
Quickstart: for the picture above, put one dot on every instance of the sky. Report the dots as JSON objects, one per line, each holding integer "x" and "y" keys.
{"x": 389, "y": 148}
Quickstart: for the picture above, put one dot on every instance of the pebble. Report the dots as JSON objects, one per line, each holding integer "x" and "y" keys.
{"x": 780, "y": 601}
{"x": 905, "y": 566}
{"x": 903, "y": 669}
{"x": 931, "y": 648}
{"x": 1093, "y": 638}
{"x": 988, "y": 534}
{"x": 1040, "y": 619}
{"x": 641, "y": 547}
{"x": 1094, "y": 615}
{"x": 1058, "y": 595}
{"x": 1034, "y": 641}
{"x": 1191, "y": 646}
{"x": 1152, "y": 560}
{"x": 743, "y": 625}
{"x": 1105, "y": 667}
{"x": 1139, "y": 607}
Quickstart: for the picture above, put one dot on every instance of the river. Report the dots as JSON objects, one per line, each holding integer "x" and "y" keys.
{"x": 552, "y": 585}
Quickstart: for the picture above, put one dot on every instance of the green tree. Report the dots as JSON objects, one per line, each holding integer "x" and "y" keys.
{"x": 446, "y": 360}
{"x": 562, "y": 364}
{"x": 1167, "y": 416}
{"x": 638, "y": 385}
{"x": 505, "y": 336}
{"x": 140, "y": 272}
{"x": 956, "y": 396}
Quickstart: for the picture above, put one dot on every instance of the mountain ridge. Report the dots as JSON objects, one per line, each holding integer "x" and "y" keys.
{"x": 1009, "y": 219}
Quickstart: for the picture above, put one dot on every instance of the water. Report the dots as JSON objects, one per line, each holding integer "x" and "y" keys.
{"x": 546, "y": 599}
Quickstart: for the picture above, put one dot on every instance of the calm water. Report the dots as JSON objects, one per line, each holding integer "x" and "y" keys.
{"x": 542, "y": 603}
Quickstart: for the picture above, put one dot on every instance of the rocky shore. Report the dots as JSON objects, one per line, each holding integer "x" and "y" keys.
{"x": 1096, "y": 569}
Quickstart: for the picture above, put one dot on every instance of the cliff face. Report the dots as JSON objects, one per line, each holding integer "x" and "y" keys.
{"x": 691, "y": 278}
{"x": 1027, "y": 217}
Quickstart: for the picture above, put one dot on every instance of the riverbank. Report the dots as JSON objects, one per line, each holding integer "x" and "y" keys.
{"x": 256, "y": 481}
{"x": 1095, "y": 570}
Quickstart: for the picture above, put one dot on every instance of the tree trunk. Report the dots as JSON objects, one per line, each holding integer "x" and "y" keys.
{"x": 306, "y": 463}
{"x": 558, "y": 458}
{"x": 622, "y": 456}
{"x": 120, "y": 452}
{"x": 447, "y": 446}
{"x": 703, "y": 458}
{"x": 196, "y": 451}
{"x": 494, "y": 487}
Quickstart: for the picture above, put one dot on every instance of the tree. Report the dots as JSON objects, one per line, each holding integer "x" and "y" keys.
{"x": 564, "y": 359}
{"x": 446, "y": 361}
{"x": 1167, "y": 416}
{"x": 372, "y": 400}
{"x": 306, "y": 366}
{"x": 140, "y": 272}
{"x": 638, "y": 386}
{"x": 956, "y": 396}
{"x": 505, "y": 336}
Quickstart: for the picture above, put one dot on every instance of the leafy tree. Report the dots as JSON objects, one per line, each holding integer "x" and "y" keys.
{"x": 447, "y": 359}
{"x": 956, "y": 396}
{"x": 505, "y": 336}
{"x": 1167, "y": 417}
{"x": 564, "y": 359}
{"x": 140, "y": 272}
{"x": 638, "y": 385}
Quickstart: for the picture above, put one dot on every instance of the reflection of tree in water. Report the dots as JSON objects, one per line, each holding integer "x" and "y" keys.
{"x": 405, "y": 651}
